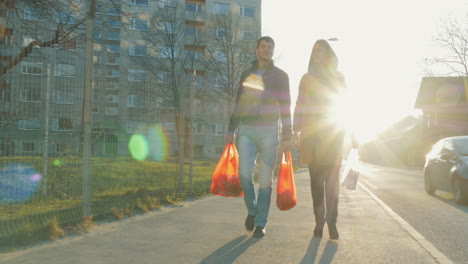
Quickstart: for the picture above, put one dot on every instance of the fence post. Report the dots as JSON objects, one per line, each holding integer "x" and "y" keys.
{"x": 86, "y": 203}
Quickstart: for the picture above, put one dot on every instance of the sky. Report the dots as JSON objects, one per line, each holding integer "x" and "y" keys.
{"x": 381, "y": 49}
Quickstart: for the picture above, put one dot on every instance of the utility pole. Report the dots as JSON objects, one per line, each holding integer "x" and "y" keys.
{"x": 86, "y": 203}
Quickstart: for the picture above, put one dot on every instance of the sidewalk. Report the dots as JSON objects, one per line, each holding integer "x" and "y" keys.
{"x": 211, "y": 230}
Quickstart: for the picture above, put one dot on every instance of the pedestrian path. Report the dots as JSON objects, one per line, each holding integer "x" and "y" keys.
{"x": 211, "y": 230}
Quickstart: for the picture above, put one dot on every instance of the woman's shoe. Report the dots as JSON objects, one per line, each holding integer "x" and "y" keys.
{"x": 333, "y": 232}
{"x": 318, "y": 232}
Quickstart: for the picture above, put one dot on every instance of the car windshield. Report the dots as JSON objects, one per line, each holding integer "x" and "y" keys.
{"x": 461, "y": 146}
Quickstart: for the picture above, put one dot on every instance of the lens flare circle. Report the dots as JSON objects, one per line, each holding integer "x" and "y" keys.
{"x": 138, "y": 147}
{"x": 18, "y": 183}
{"x": 158, "y": 142}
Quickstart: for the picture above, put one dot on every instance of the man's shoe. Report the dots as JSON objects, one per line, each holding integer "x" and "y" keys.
{"x": 318, "y": 231}
{"x": 249, "y": 222}
{"x": 333, "y": 232}
{"x": 259, "y": 231}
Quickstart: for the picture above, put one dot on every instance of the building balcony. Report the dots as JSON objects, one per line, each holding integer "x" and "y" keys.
{"x": 199, "y": 16}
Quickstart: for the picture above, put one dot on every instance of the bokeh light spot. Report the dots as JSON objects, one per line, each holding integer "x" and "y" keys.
{"x": 18, "y": 183}
{"x": 138, "y": 147}
{"x": 158, "y": 142}
{"x": 57, "y": 162}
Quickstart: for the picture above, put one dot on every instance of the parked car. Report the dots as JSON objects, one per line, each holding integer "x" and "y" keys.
{"x": 446, "y": 168}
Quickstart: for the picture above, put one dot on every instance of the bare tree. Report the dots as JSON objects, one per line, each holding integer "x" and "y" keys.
{"x": 453, "y": 39}
{"x": 231, "y": 49}
{"x": 180, "y": 48}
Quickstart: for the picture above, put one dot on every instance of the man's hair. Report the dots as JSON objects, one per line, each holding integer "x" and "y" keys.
{"x": 267, "y": 39}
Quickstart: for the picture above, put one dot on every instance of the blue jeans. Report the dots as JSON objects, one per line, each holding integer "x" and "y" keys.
{"x": 257, "y": 142}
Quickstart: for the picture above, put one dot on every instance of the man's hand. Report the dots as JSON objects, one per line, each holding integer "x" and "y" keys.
{"x": 230, "y": 138}
{"x": 285, "y": 145}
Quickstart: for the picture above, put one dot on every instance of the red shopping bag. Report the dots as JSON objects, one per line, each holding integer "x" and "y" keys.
{"x": 225, "y": 181}
{"x": 286, "y": 189}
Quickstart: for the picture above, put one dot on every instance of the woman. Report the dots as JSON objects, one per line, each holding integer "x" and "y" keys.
{"x": 321, "y": 136}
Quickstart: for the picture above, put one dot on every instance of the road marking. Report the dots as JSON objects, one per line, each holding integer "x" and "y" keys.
{"x": 371, "y": 185}
{"x": 431, "y": 249}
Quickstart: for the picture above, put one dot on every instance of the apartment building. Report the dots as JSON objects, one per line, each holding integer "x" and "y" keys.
{"x": 149, "y": 60}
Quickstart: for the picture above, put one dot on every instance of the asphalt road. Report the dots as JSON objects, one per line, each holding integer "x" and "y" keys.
{"x": 438, "y": 218}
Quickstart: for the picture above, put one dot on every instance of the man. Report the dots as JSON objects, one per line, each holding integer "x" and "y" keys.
{"x": 262, "y": 108}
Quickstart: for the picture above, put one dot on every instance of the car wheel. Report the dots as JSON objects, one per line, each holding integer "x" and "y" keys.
{"x": 460, "y": 194}
{"x": 428, "y": 183}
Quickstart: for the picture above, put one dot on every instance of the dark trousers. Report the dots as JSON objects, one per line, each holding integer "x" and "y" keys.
{"x": 325, "y": 187}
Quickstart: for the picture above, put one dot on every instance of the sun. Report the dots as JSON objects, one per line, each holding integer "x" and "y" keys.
{"x": 352, "y": 112}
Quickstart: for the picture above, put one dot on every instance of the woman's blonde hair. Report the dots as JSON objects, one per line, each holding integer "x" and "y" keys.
{"x": 330, "y": 65}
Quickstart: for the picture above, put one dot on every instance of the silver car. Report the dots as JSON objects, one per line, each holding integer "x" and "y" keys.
{"x": 446, "y": 168}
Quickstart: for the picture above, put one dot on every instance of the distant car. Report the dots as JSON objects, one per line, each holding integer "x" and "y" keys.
{"x": 446, "y": 168}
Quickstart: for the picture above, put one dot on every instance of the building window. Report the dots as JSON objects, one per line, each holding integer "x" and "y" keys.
{"x": 167, "y": 27}
{"x": 28, "y": 147}
{"x": 114, "y": 23}
{"x": 29, "y": 67}
{"x": 169, "y": 127}
{"x": 95, "y": 95}
{"x": 111, "y": 111}
{"x": 220, "y": 9}
{"x": 29, "y": 124}
{"x": 193, "y": 7}
{"x": 64, "y": 70}
{"x": 96, "y": 84}
{"x": 110, "y": 98}
{"x": 221, "y": 33}
{"x": 138, "y": 24}
{"x": 65, "y": 17}
{"x": 35, "y": 14}
{"x": 97, "y": 47}
{"x": 198, "y": 128}
{"x": 167, "y": 3}
{"x": 247, "y": 35}
{"x": 113, "y": 85}
{"x": 164, "y": 77}
{"x": 27, "y": 40}
{"x": 193, "y": 55}
{"x": 5, "y": 94}
{"x": 138, "y": 50}
{"x": 133, "y": 126}
{"x": 63, "y": 97}
{"x": 248, "y": 58}
{"x": 139, "y": 2}
{"x": 68, "y": 44}
{"x": 246, "y": 11}
{"x": 62, "y": 148}
{"x": 220, "y": 56}
{"x": 166, "y": 52}
{"x": 113, "y": 60}
{"x": 96, "y": 59}
{"x": 191, "y": 31}
{"x": 113, "y": 73}
{"x": 62, "y": 124}
{"x": 136, "y": 75}
{"x": 7, "y": 37}
{"x": 135, "y": 101}
{"x": 113, "y": 12}
{"x": 113, "y": 35}
{"x": 113, "y": 48}
{"x": 218, "y": 129}
{"x": 95, "y": 109}
{"x": 220, "y": 81}
{"x": 164, "y": 103}
{"x": 30, "y": 93}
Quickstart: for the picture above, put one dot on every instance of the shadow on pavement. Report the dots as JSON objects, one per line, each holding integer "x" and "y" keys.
{"x": 229, "y": 252}
{"x": 312, "y": 251}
